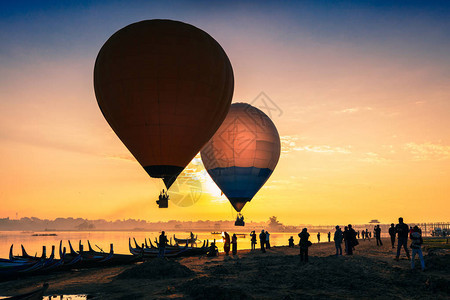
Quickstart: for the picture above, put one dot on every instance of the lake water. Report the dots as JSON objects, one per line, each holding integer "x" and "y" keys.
{"x": 102, "y": 239}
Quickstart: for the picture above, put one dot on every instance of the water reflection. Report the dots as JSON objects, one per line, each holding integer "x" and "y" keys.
{"x": 66, "y": 297}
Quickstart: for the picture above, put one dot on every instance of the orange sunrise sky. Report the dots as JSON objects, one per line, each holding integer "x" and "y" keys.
{"x": 360, "y": 95}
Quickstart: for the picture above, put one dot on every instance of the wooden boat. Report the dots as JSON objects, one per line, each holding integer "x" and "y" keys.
{"x": 37, "y": 294}
{"x": 153, "y": 252}
{"x": 13, "y": 269}
{"x": 184, "y": 241}
{"x": 47, "y": 263}
{"x": 170, "y": 251}
{"x": 116, "y": 259}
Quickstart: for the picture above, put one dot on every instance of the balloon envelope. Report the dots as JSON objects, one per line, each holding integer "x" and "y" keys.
{"x": 242, "y": 154}
{"x": 164, "y": 87}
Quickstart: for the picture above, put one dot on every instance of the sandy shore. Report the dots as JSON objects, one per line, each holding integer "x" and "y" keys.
{"x": 372, "y": 273}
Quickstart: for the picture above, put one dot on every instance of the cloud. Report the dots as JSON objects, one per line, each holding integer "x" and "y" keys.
{"x": 323, "y": 149}
{"x": 428, "y": 151}
{"x": 125, "y": 157}
{"x": 353, "y": 110}
{"x": 372, "y": 157}
{"x": 289, "y": 144}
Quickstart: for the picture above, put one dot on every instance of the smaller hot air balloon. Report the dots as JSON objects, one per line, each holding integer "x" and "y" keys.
{"x": 242, "y": 154}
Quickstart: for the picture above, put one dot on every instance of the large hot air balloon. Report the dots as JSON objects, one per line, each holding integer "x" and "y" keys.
{"x": 242, "y": 154}
{"x": 164, "y": 87}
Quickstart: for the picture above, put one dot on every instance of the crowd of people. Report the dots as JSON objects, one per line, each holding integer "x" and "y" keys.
{"x": 349, "y": 237}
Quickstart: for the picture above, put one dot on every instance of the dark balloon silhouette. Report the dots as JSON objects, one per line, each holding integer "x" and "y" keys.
{"x": 164, "y": 87}
{"x": 242, "y": 154}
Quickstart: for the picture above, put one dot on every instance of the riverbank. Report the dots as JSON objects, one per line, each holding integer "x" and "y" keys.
{"x": 372, "y": 273}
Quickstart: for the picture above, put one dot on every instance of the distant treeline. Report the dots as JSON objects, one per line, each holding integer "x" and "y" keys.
{"x": 63, "y": 224}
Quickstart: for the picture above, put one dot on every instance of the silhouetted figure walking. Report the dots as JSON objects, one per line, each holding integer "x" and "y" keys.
{"x": 392, "y": 235}
{"x": 226, "y": 243}
{"x": 351, "y": 240}
{"x": 378, "y": 235}
{"x": 416, "y": 246}
{"x": 402, "y": 237}
{"x": 262, "y": 240}
{"x": 338, "y": 236}
{"x": 329, "y": 236}
{"x": 267, "y": 240}
{"x": 291, "y": 242}
{"x": 304, "y": 244}
{"x": 253, "y": 239}
{"x": 234, "y": 244}
{"x": 363, "y": 233}
{"x": 357, "y": 233}
{"x": 367, "y": 234}
{"x": 162, "y": 244}
{"x": 318, "y": 237}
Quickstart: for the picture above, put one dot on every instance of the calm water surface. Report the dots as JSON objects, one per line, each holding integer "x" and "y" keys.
{"x": 102, "y": 239}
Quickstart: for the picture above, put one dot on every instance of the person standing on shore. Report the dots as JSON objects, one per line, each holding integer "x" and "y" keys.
{"x": 402, "y": 237}
{"x": 351, "y": 240}
{"x": 363, "y": 233}
{"x": 329, "y": 236}
{"x": 162, "y": 244}
{"x": 267, "y": 240}
{"x": 345, "y": 237}
{"x": 234, "y": 244}
{"x": 392, "y": 235}
{"x": 378, "y": 235}
{"x": 367, "y": 234}
{"x": 253, "y": 239}
{"x": 262, "y": 240}
{"x": 226, "y": 243}
{"x": 304, "y": 244}
{"x": 416, "y": 246}
{"x": 338, "y": 236}
{"x": 318, "y": 237}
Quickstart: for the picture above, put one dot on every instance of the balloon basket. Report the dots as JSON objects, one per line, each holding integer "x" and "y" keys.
{"x": 163, "y": 201}
{"x": 239, "y": 221}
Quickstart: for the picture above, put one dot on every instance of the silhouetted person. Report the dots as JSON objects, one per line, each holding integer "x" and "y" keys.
{"x": 304, "y": 244}
{"x": 357, "y": 233}
{"x": 162, "y": 244}
{"x": 291, "y": 242}
{"x": 392, "y": 235}
{"x": 367, "y": 234}
{"x": 267, "y": 240}
{"x": 318, "y": 237}
{"x": 262, "y": 241}
{"x": 402, "y": 237}
{"x": 213, "y": 251}
{"x": 345, "y": 236}
{"x": 378, "y": 235}
{"x": 416, "y": 247}
{"x": 253, "y": 239}
{"x": 234, "y": 244}
{"x": 226, "y": 243}
{"x": 351, "y": 240}
{"x": 329, "y": 236}
{"x": 363, "y": 233}
{"x": 338, "y": 236}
